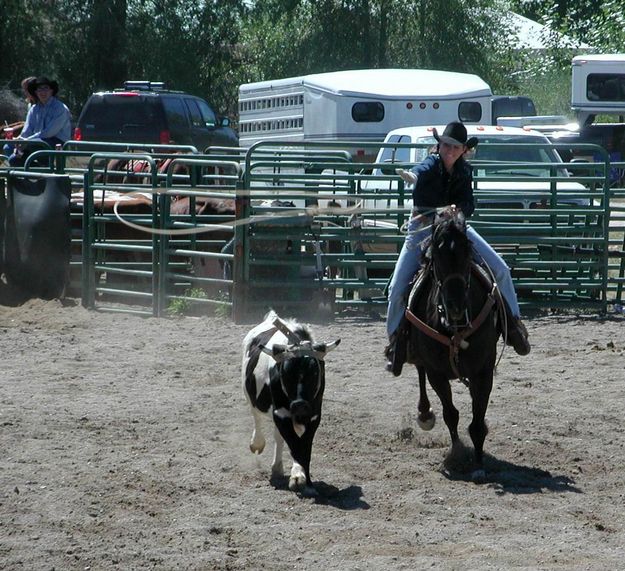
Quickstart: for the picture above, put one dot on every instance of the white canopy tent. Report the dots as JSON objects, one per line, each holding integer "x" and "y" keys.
{"x": 532, "y": 35}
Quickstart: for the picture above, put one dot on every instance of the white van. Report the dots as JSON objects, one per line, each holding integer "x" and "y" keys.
{"x": 361, "y": 105}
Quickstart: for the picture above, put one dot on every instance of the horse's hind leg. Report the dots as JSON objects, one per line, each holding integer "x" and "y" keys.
{"x": 426, "y": 418}
{"x": 480, "y": 394}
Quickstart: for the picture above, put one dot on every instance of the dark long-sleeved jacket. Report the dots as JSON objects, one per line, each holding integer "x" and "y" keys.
{"x": 435, "y": 187}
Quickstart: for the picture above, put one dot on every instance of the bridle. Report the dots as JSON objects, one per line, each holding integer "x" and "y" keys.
{"x": 465, "y": 283}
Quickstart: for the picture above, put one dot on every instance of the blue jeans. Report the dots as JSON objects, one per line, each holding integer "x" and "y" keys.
{"x": 409, "y": 262}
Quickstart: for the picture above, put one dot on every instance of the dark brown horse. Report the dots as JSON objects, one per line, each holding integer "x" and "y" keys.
{"x": 453, "y": 331}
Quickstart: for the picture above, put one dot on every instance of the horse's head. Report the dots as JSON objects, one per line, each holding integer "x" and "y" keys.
{"x": 451, "y": 255}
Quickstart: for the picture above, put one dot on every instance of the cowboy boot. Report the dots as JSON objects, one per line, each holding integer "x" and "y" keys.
{"x": 516, "y": 332}
{"x": 518, "y": 336}
{"x": 395, "y": 351}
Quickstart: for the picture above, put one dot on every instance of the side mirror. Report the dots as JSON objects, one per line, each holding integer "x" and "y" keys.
{"x": 225, "y": 122}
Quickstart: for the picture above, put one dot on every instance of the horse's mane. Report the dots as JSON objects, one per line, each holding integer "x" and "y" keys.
{"x": 450, "y": 219}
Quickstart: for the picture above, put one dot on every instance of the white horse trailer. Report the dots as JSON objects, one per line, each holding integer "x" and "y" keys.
{"x": 358, "y": 105}
{"x": 598, "y": 86}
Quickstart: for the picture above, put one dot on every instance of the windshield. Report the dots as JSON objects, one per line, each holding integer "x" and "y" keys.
{"x": 499, "y": 148}
{"x": 506, "y": 150}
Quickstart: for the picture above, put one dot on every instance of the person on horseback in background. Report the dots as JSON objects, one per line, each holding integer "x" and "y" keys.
{"x": 48, "y": 120}
{"x": 444, "y": 178}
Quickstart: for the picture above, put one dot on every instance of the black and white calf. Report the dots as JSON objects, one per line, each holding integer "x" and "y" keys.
{"x": 284, "y": 376}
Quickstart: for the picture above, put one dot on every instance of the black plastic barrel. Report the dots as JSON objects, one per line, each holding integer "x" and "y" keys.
{"x": 37, "y": 234}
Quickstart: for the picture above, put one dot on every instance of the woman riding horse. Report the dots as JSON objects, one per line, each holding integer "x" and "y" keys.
{"x": 453, "y": 329}
{"x": 442, "y": 179}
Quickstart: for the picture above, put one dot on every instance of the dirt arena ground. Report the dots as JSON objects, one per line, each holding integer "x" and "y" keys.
{"x": 124, "y": 445}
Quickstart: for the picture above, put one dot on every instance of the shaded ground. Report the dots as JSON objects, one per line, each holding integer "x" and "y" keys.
{"x": 124, "y": 445}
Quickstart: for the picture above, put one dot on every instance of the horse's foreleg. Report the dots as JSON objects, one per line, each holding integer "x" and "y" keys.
{"x": 478, "y": 429}
{"x": 426, "y": 418}
{"x": 441, "y": 386}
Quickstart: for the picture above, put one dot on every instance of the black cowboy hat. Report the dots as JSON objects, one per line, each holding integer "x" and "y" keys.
{"x": 455, "y": 133}
{"x": 33, "y": 85}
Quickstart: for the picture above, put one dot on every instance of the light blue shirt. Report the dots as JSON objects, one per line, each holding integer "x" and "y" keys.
{"x": 46, "y": 121}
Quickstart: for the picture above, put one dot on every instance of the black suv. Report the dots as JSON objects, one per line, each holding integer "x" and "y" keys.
{"x": 146, "y": 112}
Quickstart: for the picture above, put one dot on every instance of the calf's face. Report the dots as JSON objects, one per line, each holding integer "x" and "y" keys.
{"x": 302, "y": 382}
{"x": 297, "y": 387}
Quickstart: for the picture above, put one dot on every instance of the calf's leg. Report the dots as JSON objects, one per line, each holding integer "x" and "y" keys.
{"x": 301, "y": 453}
{"x": 298, "y": 479}
{"x": 257, "y": 444}
{"x": 277, "y": 469}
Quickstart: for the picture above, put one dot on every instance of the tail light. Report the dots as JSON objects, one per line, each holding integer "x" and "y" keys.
{"x": 164, "y": 137}
{"x": 77, "y": 134}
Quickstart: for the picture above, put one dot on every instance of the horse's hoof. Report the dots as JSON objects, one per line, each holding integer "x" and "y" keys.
{"x": 426, "y": 421}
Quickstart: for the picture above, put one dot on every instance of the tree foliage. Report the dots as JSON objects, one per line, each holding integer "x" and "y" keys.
{"x": 598, "y": 23}
{"x": 314, "y": 36}
{"x": 209, "y": 47}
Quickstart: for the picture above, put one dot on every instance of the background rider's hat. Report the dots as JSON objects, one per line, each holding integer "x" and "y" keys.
{"x": 33, "y": 85}
{"x": 455, "y": 133}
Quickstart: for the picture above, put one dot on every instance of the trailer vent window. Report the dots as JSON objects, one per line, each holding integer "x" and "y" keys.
{"x": 368, "y": 112}
{"x": 605, "y": 87}
{"x": 469, "y": 111}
